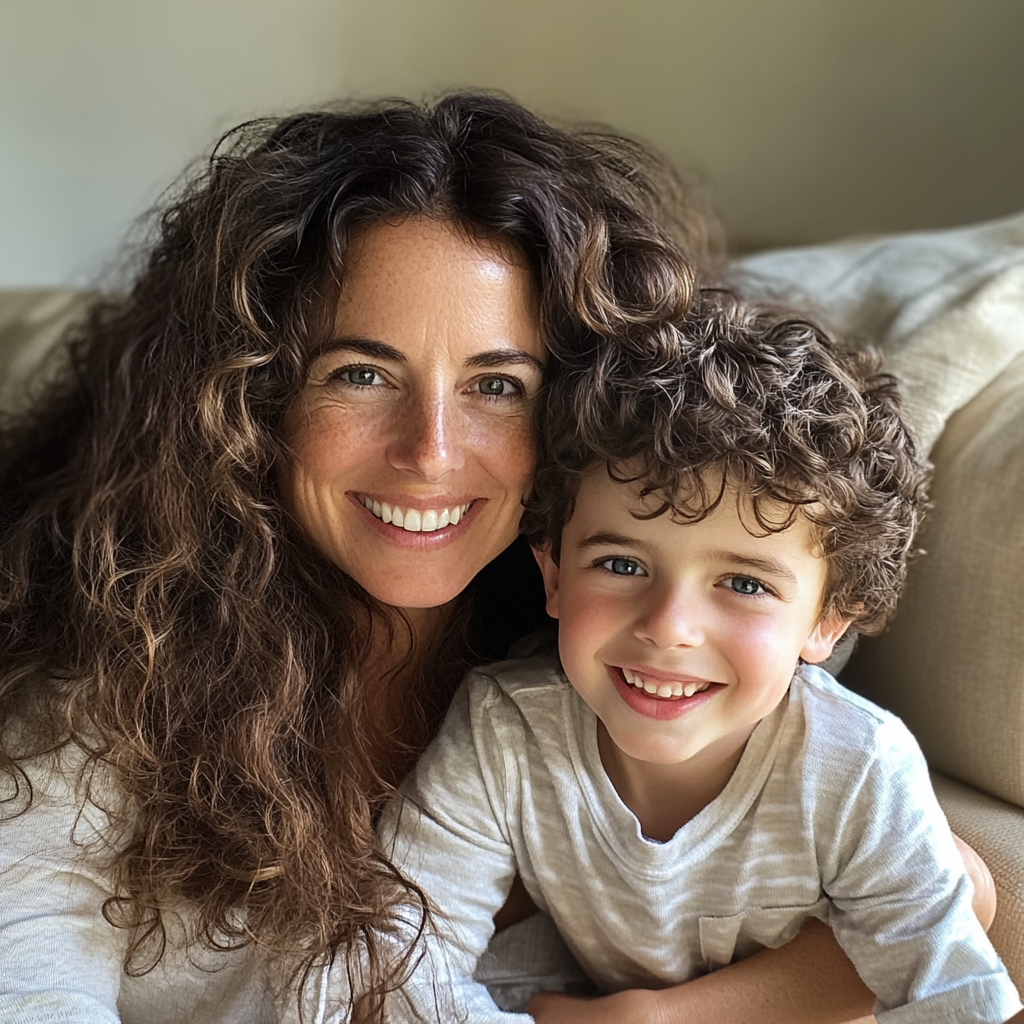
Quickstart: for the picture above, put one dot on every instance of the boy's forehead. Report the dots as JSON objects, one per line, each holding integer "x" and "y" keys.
{"x": 603, "y": 498}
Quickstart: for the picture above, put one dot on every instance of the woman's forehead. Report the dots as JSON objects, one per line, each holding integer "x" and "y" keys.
{"x": 424, "y": 282}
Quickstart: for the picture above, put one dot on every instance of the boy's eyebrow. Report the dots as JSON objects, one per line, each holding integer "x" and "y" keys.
{"x": 381, "y": 350}
{"x": 773, "y": 566}
{"x": 598, "y": 540}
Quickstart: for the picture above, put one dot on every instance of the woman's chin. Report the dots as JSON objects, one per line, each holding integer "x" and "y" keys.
{"x": 415, "y": 594}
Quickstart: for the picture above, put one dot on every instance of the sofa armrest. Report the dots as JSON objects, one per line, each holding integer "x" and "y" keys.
{"x": 996, "y": 830}
{"x": 32, "y": 320}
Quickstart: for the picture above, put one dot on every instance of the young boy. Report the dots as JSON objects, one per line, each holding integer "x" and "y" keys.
{"x": 714, "y": 508}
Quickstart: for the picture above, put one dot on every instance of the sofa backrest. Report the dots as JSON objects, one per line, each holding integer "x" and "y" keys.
{"x": 952, "y": 662}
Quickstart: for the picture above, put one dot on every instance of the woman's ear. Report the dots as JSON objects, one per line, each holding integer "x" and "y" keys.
{"x": 824, "y": 637}
{"x": 549, "y": 570}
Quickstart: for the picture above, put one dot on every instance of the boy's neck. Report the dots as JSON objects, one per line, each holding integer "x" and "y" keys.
{"x": 664, "y": 797}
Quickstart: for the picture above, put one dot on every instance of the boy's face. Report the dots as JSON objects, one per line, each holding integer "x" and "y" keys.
{"x": 709, "y": 616}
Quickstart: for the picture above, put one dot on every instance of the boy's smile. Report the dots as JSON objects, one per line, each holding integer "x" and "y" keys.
{"x": 682, "y": 637}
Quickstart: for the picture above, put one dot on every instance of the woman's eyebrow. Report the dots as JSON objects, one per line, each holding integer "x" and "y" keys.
{"x": 503, "y": 357}
{"x": 380, "y": 350}
{"x": 362, "y": 346}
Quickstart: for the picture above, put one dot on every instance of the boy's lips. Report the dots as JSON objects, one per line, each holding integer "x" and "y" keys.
{"x": 673, "y": 696}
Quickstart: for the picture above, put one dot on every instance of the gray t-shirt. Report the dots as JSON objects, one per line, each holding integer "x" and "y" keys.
{"x": 830, "y": 814}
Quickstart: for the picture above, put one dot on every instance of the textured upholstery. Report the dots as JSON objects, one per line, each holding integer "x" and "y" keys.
{"x": 952, "y": 663}
{"x": 945, "y": 307}
{"x": 31, "y": 321}
{"x": 996, "y": 830}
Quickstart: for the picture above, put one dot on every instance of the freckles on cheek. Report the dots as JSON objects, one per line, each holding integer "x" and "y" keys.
{"x": 509, "y": 448}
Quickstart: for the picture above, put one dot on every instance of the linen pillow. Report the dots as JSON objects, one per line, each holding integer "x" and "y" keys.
{"x": 945, "y": 307}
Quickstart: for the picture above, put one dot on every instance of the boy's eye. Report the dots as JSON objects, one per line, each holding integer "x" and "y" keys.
{"x": 746, "y": 585}
{"x": 623, "y": 567}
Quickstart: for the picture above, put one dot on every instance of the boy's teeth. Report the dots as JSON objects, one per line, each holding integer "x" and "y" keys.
{"x": 663, "y": 690}
{"x": 416, "y": 520}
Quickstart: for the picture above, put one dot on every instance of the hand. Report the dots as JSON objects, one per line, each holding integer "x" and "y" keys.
{"x": 634, "y": 1006}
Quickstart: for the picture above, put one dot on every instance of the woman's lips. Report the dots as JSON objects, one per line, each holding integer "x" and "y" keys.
{"x": 414, "y": 519}
{"x": 402, "y": 533}
{"x": 657, "y": 706}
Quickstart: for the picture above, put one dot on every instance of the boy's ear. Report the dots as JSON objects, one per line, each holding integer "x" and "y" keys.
{"x": 549, "y": 570}
{"x": 824, "y": 637}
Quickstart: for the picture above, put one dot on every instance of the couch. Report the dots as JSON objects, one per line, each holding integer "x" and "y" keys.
{"x": 947, "y": 310}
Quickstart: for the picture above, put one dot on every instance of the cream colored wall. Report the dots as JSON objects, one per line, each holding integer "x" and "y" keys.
{"x": 104, "y": 102}
{"x": 810, "y": 118}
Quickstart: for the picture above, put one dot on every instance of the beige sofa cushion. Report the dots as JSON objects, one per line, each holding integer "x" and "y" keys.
{"x": 945, "y": 307}
{"x": 952, "y": 663}
{"x": 996, "y": 830}
{"x": 31, "y": 321}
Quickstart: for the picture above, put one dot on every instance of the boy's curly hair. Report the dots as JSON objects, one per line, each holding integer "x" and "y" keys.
{"x": 763, "y": 399}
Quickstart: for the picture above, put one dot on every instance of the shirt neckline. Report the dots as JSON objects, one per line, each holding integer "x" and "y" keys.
{"x": 618, "y": 829}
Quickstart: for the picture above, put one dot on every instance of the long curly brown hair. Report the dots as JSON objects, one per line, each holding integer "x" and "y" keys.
{"x": 158, "y": 609}
{"x": 756, "y": 396}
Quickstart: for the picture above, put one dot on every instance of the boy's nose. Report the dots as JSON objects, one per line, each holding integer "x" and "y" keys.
{"x": 671, "y": 619}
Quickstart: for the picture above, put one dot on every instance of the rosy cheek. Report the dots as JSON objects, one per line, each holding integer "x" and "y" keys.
{"x": 754, "y": 637}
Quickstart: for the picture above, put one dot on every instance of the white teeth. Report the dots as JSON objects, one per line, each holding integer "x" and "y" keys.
{"x": 416, "y": 520}
{"x": 674, "y": 689}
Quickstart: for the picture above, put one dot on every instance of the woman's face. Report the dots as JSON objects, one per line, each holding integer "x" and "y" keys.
{"x": 411, "y": 439}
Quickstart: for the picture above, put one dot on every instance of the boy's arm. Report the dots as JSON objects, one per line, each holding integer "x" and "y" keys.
{"x": 808, "y": 981}
{"x": 447, "y": 833}
{"x": 901, "y": 901}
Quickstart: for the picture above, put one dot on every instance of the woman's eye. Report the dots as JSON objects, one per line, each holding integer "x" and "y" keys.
{"x": 623, "y": 567}
{"x": 360, "y": 376}
{"x": 498, "y": 387}
{"x": 746, "y": 585}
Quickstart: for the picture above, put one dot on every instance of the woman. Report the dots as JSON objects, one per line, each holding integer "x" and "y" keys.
{"x": 244, "y": 540}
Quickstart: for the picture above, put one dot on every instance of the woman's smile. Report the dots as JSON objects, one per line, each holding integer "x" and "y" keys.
{"x": 412, "y": 445}
{"x": 416, "y": 519}
{"x": 419, "y": 527}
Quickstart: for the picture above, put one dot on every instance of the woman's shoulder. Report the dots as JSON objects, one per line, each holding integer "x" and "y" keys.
{"x": 57, "y": 808}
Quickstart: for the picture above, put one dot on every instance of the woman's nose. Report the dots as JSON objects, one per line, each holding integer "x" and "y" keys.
{"x": 671, "y": 619}
{"x": 427, "y": 437}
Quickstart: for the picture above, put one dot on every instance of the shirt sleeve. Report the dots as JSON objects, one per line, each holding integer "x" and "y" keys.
{"x": 901, "y": 898}
{"x": 448, "y": 834}
{"x": 61, "y": 960}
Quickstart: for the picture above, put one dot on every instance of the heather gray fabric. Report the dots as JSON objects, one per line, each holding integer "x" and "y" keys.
{"x": 830, "y": 814}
